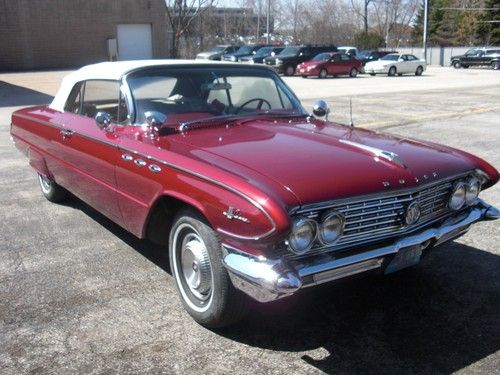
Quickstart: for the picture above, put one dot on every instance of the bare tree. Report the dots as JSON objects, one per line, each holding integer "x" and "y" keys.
{"x": 181, "y": 14}
{"x": 392, "y": 19}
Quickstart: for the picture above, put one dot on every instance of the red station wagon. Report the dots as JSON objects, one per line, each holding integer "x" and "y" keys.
{"x": 330, "y": 64}
{"x": 251, "y": 195}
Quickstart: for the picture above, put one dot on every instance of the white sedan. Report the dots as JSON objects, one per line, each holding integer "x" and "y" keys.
{"x": 395, "y": 63}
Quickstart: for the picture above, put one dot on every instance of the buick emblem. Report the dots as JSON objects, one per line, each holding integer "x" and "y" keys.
{"x": 412, "y": 213}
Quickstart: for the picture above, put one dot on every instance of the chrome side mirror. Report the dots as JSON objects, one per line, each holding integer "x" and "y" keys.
{"x": 103, "y": 120}
{"x": 154, "y": 119}
{"x": 321, "y": 109}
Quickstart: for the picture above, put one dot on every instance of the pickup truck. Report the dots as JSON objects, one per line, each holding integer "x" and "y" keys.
{"x": 478, "y": 57}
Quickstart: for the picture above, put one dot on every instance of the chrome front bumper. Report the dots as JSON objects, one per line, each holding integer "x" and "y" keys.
{"x": 266, "y": 280}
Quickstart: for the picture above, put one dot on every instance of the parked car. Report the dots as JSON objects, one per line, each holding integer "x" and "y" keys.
{"x": 251, "y": 195}
{"x": 478, "y": 57}
{"x": 216, "y": 52}
{"x": 350, "y": 50}
{"x": 330, "y": 64}
{"x": 243, "y": 51}
{"x": 395, "y": 63}
{"x": 372, "y": 55}
{"x": 261, "y": 54}
{"x": 286, "y": 62}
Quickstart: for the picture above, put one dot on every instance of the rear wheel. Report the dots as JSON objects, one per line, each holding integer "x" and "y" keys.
{"x": 456, "y": 64}
{"x": 419, "y": 71}
{"x": 372, "y": 74}
{"x": 322, "y": 73}
{"x": 353, "y": 73}
{"x": 304, "y": 76}
{"x": 289, "y": 70}
{"x": 495, "y": 65}
{"x": 50, "y": 190}
{"x": 392, "y": 71}
{"x": 202, "y": 281}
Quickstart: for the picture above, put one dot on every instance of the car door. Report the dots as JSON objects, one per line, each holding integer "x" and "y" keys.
{"x": 404, "y": 66}
{"x": 345, "y": 63}
{"x": 334, "y": 64}
{"x": 90, "y": 153}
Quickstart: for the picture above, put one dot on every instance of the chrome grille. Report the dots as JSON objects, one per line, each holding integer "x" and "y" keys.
{"x": 371, "y": 220}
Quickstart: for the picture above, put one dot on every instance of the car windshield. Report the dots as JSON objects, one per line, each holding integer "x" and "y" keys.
{"x": 218, "y": 49}
{"x": 390, "y": 57}
{"x": 290, "y": 51}
{"x": 245, "y": 49}
{"x": 193, "y": 93}
{"x": 322, "y": 57}
{"x": 472, "y": 52}
{"x": 364, "y": 54}
{"x": 264, "y": 51}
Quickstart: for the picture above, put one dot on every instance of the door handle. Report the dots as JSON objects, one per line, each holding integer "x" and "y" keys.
{"x": 66, "y": 133}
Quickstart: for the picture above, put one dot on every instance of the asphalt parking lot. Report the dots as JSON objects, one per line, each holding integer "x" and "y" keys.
{"x": 80, "y": 294}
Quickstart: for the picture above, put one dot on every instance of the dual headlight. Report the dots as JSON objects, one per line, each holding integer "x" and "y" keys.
{"x": 305, "y": 231}
{"x": 465, "y": 193}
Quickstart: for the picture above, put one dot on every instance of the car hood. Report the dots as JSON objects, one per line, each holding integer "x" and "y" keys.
{"x": 208, "y": 54}
{"x": 379, "y": 63}
{"x": 309, "y": 63}
{"x": 317, "y": 162}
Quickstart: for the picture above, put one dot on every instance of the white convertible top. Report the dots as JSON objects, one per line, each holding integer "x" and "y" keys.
{"x": 111, "y": 71}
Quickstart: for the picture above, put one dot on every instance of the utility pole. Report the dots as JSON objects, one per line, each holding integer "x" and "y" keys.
{"x": 268, "y": 20}
{"x": 424, "y": 38}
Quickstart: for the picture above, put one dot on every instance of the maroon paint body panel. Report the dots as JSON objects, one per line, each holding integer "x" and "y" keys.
{"x": 341, "y": 67}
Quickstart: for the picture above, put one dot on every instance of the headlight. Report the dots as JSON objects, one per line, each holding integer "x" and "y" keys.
{"x": 303, "y": 235}
{"x": 457, "y": 199}
{"x": 331, "y": 227}
{"x": 472, "y": 187}
{"x": 278, "y": 61}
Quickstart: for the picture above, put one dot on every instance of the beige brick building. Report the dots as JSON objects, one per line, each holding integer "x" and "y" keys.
{"x": 37, "y": 34}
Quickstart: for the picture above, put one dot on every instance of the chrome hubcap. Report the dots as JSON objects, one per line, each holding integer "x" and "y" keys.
{"x": 195, "y": 265}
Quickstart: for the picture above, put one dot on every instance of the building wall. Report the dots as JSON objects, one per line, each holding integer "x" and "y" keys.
{"x": 38, "y": 34}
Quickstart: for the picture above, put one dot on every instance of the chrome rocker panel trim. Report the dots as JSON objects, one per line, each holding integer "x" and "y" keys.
{"x": 267, "y": 280}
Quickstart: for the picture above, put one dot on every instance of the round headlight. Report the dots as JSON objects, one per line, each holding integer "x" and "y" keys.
{"x": 457, "y": 199}
{"x": 303, "y": 235}
{"x": 331, "y": 228}
{"x": 473, "y": 187}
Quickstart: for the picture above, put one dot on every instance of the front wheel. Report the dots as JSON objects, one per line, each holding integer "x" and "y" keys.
{"x": 51, "y": 190}
{"x": 202, "y": 281}
{"x": 419, "y": 71}
{"x": 322, "y": 73}
{"x": 456, "y": 64}
{"x": 353, "y": 73}
{"x": 495, "y": 65}
{"x": 392, "y": 71}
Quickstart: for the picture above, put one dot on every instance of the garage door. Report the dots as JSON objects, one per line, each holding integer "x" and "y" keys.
{"x": 134, "y": 42}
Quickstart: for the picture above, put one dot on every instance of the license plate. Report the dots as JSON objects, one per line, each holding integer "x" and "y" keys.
{"x": 406, "y": 257}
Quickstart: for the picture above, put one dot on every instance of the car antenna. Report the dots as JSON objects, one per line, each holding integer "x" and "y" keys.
{"x": 350, "y": 110}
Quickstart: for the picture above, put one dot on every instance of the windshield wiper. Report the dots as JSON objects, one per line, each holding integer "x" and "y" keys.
{"x": 185, "y": 126}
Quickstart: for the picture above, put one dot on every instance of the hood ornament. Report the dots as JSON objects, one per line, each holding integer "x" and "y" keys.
{"x": 382, "y": 154}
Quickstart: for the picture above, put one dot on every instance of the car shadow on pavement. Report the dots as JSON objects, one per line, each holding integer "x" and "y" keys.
{"x": 155, "y": 253}
{"x": 438, "y": 317}
{"x": 13, "y": 96}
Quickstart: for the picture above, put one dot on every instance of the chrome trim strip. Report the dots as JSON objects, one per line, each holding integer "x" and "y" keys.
{"x": 74, "y": 132}
{"x": 269, "y": 279}
{"x": 221, "y": 184}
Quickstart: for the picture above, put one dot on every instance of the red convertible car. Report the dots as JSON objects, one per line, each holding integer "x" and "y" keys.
{"x": 331, "y": 64}
{"x": 252, "y": 195}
